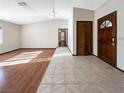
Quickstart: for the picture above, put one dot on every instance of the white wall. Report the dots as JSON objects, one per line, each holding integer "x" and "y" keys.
{"x": 42, "y": 34}
{"x": 80, "y": 15}
{"x": 108, "y": 7}
{"x": 11, "y": 38}
{"x": 70, "y": 35}
{"x": 70, "y": 32}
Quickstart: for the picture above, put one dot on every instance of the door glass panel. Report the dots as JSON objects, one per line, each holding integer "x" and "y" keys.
{"x": 62, "y": 35}
{"x": 102, "y": 25}
{"x": 108, "y": 23}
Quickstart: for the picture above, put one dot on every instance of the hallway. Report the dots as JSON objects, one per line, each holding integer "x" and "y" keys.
{"x": 82, "y": 74}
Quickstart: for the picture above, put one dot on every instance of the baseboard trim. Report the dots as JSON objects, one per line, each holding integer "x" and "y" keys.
{"x": 10, "y": 51}
{"x": 36, "y": 48}
{"x": 95, "y": 55}
{"x": 71, "y": 52}
{"x": 26, "y": 49}
{"x": 110, "y": 64}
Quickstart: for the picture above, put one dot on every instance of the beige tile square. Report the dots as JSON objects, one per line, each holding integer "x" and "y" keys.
{"x": 93, "y": 88}
{"x": 73, "y": 88}
{"x": 59, "y": 71}
{"x": 47, "y": 79}
{"x": 58, "y": 89}
{"x": 72, "y": 79}
{"x": 44, "y": 89}
{"x": 59, "y": 79}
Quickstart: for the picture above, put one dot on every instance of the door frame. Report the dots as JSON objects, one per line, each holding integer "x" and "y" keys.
{"x": 77, "y": 36}
{"x": 66, "y": 35}
{"x": 115, "y": 30}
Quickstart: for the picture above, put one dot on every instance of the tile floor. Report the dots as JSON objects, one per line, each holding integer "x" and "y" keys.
{"x": 80, "y": 74}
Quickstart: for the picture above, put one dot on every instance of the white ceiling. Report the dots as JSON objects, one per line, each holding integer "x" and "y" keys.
{"x": 38, "y": 10}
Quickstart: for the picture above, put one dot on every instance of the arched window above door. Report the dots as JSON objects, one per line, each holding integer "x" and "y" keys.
{"x": 106, "y": 24}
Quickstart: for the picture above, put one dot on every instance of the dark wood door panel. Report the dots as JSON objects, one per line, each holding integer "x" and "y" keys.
{"x": 88, "y": 39}
{"x": 107, "y": 38}
{"x": 84, "y": 38}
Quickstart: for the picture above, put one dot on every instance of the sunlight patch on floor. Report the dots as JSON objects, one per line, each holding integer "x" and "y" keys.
{"x": 22, "y": 58}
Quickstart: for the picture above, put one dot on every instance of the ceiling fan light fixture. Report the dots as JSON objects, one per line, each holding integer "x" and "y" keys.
{"x": 52, "y": 14}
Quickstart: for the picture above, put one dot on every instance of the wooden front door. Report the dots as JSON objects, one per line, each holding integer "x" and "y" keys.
{"x": 107, "y": 38}
{"x": 84, "y": 37}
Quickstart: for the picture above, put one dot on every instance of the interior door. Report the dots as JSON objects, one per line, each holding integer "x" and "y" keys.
{"x": 84, "y": 37}
{"x": 107, "y": 38}
{"x": 62, "y": 37}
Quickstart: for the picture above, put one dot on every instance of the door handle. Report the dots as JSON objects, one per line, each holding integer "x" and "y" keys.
{"x": 113, "y": 41}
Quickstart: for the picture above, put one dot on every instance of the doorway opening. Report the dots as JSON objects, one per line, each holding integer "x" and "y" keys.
{"x": 62, "y": 37}
{"x": 107, "y": 38}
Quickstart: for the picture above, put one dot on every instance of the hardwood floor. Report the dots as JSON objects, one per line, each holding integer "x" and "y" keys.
{"x": 24, "y": 78}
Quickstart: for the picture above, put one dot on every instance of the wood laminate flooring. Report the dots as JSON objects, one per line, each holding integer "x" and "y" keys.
{"x": 23, "y": 77}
